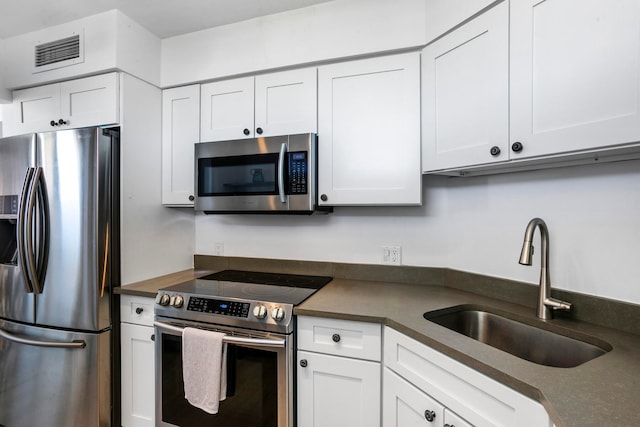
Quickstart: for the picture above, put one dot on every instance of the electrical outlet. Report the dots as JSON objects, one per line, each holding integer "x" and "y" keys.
{"x": 392, "y": 255}
{"x": 218, "y": 248}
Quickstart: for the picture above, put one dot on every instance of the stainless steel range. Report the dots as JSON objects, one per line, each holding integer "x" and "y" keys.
{"x": 255, "y": 311}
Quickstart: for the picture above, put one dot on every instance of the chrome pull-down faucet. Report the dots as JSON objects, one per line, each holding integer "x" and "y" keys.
{"x": 546, "y": 304}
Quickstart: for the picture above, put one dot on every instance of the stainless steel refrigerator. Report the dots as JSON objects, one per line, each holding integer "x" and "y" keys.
{"x": 59, "y": 250}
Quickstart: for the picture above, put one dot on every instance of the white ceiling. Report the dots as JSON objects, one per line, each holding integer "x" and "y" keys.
{"x": 164, "y": 18}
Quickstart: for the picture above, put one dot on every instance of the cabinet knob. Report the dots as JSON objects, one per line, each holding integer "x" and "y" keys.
{"x": 62, "y": 122}
{"x": 191, "y": 198}
{"x": 304, "y": 363}
{"x": 53, "y": 123}
{"x": 429, "y": 415}
{"x": 153, "y": 337}
{"x": 335, "y": 337}
{"x": 139, "y": 310}
{"x": 246, "y": 131}
{"x": 259, "y": 131}
{"x": 495, "y": 151}
{"x": 517, "y": 147}
{"x": 449, "y": 425}
{"x": 324, "y": 198}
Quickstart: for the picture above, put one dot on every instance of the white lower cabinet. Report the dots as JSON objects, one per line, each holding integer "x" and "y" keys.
{"x": 338, "y": 373}
{"x": 337, "y": 391}
{"x": 421, "y": 378}
{"x": 404, "y": 405}
{"x": 137, "y": 361}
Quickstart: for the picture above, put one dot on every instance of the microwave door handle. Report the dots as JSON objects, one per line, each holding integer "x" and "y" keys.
{"x": 24, "y": 234}
{"x": 283, "y": 152}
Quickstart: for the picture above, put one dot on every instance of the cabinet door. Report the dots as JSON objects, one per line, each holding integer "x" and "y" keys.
{"x": 337, "y": 391}
{"x": 32, "y": 110}
{"x": 404, "y": 405}
{"x": 466, "y": 94}
{"x": 180, "y": 131}
{"x": 575, "y": 74}
{"x": 286, "y": 103}
{"x": 452, "y": 420}
{"x": 443, "y": 15}
{"x": 227, "y": 110}
{"x": 138, "y": 373}
{"x": 369, "y": 132}
{"x": 91, "y": 101}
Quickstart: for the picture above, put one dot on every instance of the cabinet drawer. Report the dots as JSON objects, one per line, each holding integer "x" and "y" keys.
{"x": 340, "y": 337}
{"x": 137, "y": 310}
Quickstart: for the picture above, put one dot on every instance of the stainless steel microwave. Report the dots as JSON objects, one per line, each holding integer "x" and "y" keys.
{"x": 259, "y": 175}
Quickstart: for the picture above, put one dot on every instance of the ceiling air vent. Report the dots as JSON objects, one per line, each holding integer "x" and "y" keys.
{"x": 58, "y": 53}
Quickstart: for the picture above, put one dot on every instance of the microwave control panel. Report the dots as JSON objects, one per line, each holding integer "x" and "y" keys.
{"x": 298, "y": 172}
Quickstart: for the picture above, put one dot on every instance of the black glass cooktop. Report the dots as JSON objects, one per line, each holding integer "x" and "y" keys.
{"x": 292, "y": 280}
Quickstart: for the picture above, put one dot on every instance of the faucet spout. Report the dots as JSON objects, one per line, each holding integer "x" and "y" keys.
{"x": 546, "y": 304}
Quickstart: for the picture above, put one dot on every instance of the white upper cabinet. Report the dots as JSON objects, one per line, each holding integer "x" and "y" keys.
{"x": 180, "y": 131}
{"x": 76, "y": 103}
{"x": 575, "y": 75}
{"x": 442, "y": 15}
{"x": 272, "y": 104}
{"x": 530, "y": 82}
{"x": 286, "y": 103}
{"x": 465, "y": 97}
{"x": 369, "y": 132}
{"x": 227, "y": 110}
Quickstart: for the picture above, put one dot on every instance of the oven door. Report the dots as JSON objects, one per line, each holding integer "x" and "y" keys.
{"x": 259, "y": 379}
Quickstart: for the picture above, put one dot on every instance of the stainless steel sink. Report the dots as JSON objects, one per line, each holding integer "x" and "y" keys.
{"x": 523, "y": 340}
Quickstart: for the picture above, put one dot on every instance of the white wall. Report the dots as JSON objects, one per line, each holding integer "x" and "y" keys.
{"x": 472, "y": 224}
{"x": 322, "y": 32}
{"x": 5, "y": 94}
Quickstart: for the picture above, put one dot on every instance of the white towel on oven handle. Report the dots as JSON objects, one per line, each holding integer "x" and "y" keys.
{"x": 204, "y": 368}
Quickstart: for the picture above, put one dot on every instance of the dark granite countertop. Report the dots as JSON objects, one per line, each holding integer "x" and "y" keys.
{"x": 600, "y": 392}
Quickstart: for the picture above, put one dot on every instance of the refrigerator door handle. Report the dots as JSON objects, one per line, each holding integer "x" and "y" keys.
{"x": 79, "y": 344}
{"x": 23, "y": 229}
{"x": 36, "y": 258}
{"x": 42, "y": 227}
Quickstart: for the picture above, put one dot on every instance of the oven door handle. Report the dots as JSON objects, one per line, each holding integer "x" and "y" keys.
{"x": 229, "y": 339}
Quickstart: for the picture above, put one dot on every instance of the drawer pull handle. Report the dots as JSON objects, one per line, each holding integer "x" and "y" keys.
{"x": 429, "y": 415}
{"x": 303, "y": 363}
{"x": 335, "y": 337}
{"x": 139, "y": 310}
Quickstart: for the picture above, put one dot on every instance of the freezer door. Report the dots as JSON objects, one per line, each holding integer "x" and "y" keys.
{"x": 17, "y": 155}
{"x": 52, "y": 385}
{"x": 78, "y": 175}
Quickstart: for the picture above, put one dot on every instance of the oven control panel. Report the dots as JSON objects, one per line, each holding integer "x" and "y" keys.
{"x": 215, "y": 306}
{"x": 265, "y": 316}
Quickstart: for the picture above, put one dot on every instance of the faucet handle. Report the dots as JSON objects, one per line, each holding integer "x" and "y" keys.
{"x": 557, "y": 304}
